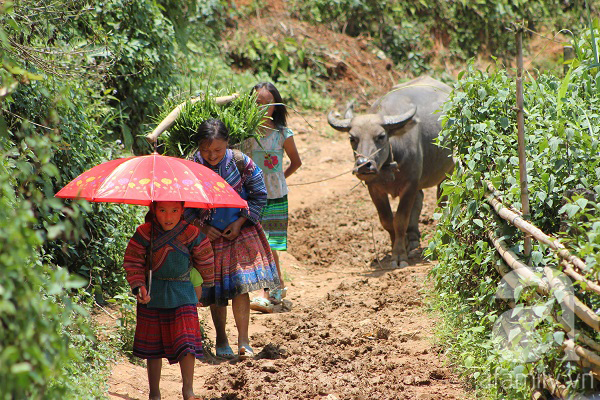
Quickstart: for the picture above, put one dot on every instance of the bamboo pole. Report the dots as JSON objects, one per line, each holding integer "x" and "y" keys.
{"x": 544, "y": 287}
{"x": 526, "y": 227}
{"x": 498, "y": 196}
{"x": 587, "y": 359}
{"x": 588, "y": 355}
{"x": 568, "y": 267}
{"x": 582, "y": 352}
{"x": 581, "y": 337}
{"x": 170, "y": 119}
{"x": 520, "y": 268}
{"x": 581, "y": 310}
{"x": 555, "y": 387}
{"x": 521, "y": 138}
{"x": 538, "y": 395}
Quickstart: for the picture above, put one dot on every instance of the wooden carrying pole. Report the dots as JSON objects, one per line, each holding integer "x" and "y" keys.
{"x": 521, "y": 137}
{"x": 170, "y": 119}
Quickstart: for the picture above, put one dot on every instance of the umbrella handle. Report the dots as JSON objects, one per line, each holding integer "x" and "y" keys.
{"x": 170, "y": 119}
{"x": 149, "y": 282}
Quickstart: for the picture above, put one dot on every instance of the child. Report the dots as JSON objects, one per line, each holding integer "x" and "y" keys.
{"x": 268, "y": 155}
{"x": 243, "y": 260}
{"x": 167, "y": 318}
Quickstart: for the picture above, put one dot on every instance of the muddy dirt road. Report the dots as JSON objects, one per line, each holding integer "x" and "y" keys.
{"x": 357, "y": 330}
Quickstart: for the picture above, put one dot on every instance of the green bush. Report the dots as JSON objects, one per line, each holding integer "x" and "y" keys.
{"x": 46, "y": 347}
{"x": 561, "y": 130}
{"x": 141, "y": 40}
{"x": 407, "y": 31}
{"x": 297, "y": 68}
{"x": 80, "y": 147}
{"x": 73, "y": 100}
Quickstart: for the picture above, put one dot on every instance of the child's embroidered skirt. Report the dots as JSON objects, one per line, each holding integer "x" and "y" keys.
{"x": 169, "y": 333}
{"x": 274, "y": 220}
{"x": 242, "y": 265}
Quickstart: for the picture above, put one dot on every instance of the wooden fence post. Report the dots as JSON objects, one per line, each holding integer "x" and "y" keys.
{"x": 521, "y": 138}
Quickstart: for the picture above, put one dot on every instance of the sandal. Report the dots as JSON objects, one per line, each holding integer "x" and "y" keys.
{"x": 261, "y": 304}
{"x": 224, "y": 352}
{"x": 245, "y": 352}
{"x": 277, "y": 294}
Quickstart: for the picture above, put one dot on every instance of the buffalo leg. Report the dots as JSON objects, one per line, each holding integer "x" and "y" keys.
{"x": 412, "y": 233}
{"x": 401, "y": 220}
{"x": 386, "y": 217}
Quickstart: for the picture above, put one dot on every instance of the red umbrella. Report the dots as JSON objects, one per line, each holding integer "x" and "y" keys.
{"x": 144, "y": 179}
{"x": 141, "y": 180}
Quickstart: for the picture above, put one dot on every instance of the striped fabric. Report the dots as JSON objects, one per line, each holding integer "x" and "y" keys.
{"x": 243, "y": 265}
{"x": 169, "y": 333}
{"x": 174, "y": 253}
{"x": 251, "y": 178}
{"x": 274, "y": 221}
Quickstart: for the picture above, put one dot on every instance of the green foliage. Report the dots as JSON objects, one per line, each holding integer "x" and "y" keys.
{"x": 80, "y": 147}
{"x": 41, "y": 324}
{"x": 196, "y": 20}
{"x": 76, "y": 105}
{"x": 126, "y": 322}
{"x": 277, "y": 57}
{"x": 305, "y": 90}
{"x": 413, "y": 32}
{"x": 242, "y": 117}
{"x": 50, "y": 132}
{"x": 141, "y": 38}
{"x": 87, "y": 376}
{"x": 81, "y": 80}
{"x": 561, "y": 130}
{"x": 296, "y": 67}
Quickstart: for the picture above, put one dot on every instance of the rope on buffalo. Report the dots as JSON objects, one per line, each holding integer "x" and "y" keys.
{"x": 335, "y": 176}
{"x": 320, "y": 180}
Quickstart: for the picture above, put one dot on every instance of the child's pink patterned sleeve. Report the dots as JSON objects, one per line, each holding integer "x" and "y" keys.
{"x": 135, "y": 262}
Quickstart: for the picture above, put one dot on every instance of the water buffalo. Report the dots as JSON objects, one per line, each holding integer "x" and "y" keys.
{"x": 395, "y": 155}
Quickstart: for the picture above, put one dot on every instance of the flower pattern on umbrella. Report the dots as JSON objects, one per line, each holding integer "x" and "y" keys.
{"x": 141, "y": 180}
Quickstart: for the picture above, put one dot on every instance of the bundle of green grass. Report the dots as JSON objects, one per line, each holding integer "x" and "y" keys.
{"x": 242, "y": 117}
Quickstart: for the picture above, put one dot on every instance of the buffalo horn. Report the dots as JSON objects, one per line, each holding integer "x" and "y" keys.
{"x": 349, "y": 114}
{"x": 391, "y": 122}
{"x": 338, "y": 124}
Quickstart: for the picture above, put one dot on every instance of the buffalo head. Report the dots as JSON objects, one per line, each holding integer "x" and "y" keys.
{"x": 370, "y": 138}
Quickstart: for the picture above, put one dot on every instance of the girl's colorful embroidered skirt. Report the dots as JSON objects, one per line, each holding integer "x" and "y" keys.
{"x": 169, "y": 333}
{"x": 242, "y": 265}
{"x": 274, "y": 220}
